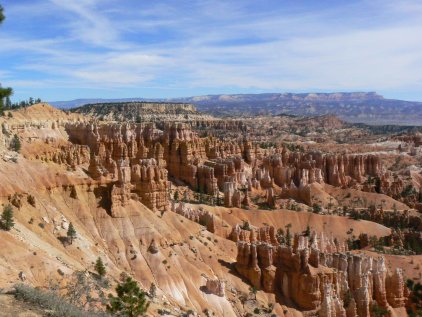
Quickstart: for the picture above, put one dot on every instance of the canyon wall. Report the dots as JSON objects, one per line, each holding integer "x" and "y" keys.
{"x": 317, "y": 273}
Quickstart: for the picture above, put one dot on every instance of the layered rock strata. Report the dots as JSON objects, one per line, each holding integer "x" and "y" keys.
{"x": 216, "y": 287}
{"x": 200, "y": 215}
{"x": 126, "y": 158}
{"x": 319, "y": 276}
{"x": 210, "y": 165}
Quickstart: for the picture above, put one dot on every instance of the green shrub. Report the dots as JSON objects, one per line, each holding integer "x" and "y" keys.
{"x": 15, "y": 144}
{"x": 130, "y": 300}
{"x": 100, "y": 268}
{"x": 7, "y": 222}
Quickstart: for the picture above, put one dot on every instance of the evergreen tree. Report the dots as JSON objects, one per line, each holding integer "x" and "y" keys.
{"x": 8, "y": 104}
{"x": 4, "y": 92}
{"x": 176, "y": 196}
{"x": 307, "y": 232}
{"x": 415, "y": 297}
{"x": 15, "y": 144}
{"x": 378, "y": 311}
{"x": 71, "y": 233}
{"x": 280, "y": 235}
{"x": 2, "y": 17}
{"x": 100, "y": 268}
{"x": 7, "y": 222}
{"x": 130, "y": 300}
{"x": 201, "y": 197}
{"x": 316, "y": 208}
{"x": 253, "y": 290}
{"x": 288, "y": 237}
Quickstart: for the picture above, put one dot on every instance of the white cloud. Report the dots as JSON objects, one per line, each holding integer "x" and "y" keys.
{"x": 369, "y": 45}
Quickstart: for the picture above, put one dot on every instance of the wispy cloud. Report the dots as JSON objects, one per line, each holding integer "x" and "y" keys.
{"x": 202, "y": 46}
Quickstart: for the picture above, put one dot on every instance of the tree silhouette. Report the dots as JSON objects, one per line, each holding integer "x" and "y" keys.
{"x": 4, "y": 92}
{"x": 2, "y": 17}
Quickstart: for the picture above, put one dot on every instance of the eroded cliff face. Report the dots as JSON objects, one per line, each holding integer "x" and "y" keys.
{"x": 125, "y": 159}
{"x": 317, "y": 273}
{"x": 209, "y": 165}
{"x": 110, "y": 180}
{"x": 205, "y": 164}
{"x": 307, "y": 168}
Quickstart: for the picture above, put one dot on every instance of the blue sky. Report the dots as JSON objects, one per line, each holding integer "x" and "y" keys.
{"x": 64, "y": 49}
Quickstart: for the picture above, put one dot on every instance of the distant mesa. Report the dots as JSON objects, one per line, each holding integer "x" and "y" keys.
{"x": 139, "y": 111}
{"x": 355, "y": 107}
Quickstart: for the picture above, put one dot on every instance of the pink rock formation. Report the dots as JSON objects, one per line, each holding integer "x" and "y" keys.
{"x": 200, "y": 216}
{"x": 216, "y": 287}
{"x": 125, "y": 157}
{"x": 317, "y": 274}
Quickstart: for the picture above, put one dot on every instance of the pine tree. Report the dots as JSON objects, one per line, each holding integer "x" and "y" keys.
{"x": 307, "y": 232}
{"x": 130, "y": 300}
{"x": 15, "y": 144}
{"x": 176, "y": 196}
{"x": 8, "y": 104}
{"x": 7, "y": 222}
{"x": 71, "y": 233}
{"x": 378, "y": 311}
{"x": 316, "y": 208}
{"x": 4, "y": 92}
{"x": 2, "y": 17}
{"x": 288, "y": 237}
{"x": 253, "y": 290}
{"x": 100, "y": 268}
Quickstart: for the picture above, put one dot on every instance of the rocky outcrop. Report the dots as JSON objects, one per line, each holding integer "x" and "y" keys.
{"x": 318, "y": 275}
{"x": 232, "y": 196}
{"x": 150, "y": 183}
{"x": 153, "y": 247}
{"x": 264, "y": 234}
{"x": 210, "y": 165}
{"x": 200, "y": 215}
{"x": 270, "y": 198}
{"x": 216, "y": 287}
{"x": 306, "y": 168}
{"x": 331, "y": 305}
{"x": 71, "y": 154}
{"x": 125, "y": 157}
{"x": 143, "y": 111}
{"x": 395, "y": 288}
